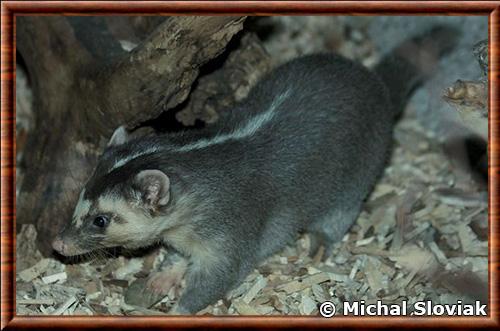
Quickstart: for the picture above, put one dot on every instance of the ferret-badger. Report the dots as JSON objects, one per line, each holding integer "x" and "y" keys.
{"x": 300, "y": 153}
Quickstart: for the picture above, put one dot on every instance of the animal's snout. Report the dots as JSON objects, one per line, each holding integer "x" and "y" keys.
{"x": 58, "y": 245}
{"x": 65, "y": 245}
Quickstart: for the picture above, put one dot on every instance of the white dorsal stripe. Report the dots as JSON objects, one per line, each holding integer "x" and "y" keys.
{"x": 130, "y": 157}
{"x": 249, "y": 129}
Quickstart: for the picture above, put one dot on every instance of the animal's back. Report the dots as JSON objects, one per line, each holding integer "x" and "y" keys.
{"x": 307, "y": 143}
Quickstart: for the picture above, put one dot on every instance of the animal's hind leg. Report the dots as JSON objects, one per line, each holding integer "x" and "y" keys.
{"x": 330, "y": 229}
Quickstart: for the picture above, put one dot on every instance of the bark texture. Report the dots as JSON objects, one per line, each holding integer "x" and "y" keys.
{"x": 470, "y": 98}
{"x": 86, "y": 84}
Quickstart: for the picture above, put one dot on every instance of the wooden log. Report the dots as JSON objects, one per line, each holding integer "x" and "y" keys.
{"x": 470, "y": 98}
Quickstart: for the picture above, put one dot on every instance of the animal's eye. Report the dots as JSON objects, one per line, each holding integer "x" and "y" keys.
{"x": 101, "y": 221}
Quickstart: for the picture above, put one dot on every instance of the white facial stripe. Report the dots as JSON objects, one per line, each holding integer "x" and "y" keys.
{"x": 82, "y": 208}
{"x": 116, "y": 205}
{"x": 128, "y": 158}
{"x": 250, "y": 128}
{"x": 136, "y": 226}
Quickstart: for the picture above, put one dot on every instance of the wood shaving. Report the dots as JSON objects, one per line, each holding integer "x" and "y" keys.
{"x": 29, "y": 274}
{"x": 55, "y": 278}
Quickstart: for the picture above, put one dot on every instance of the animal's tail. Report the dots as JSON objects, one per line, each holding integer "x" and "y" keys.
{"x": 409, "y": 64}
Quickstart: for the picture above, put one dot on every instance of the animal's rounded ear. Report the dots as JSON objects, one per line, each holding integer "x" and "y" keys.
{"x": 154, "y": 188}
{"x": 119, "y": 137}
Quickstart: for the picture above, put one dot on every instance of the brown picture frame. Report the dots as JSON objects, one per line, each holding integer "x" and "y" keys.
{"x": 10, "y": 9}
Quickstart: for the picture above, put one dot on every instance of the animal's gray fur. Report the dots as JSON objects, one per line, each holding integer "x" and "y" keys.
{"x": 308, "y": 167}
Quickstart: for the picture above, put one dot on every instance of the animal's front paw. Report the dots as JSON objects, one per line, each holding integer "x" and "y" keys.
{"x": 148, "y": 292}
{"x": 161, "y": 282}
{"x": 138, "y": 295}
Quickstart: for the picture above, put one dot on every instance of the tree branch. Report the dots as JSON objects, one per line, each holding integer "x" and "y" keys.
{"x": 158, "y": 74}
{"x": 470, "y": 98}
